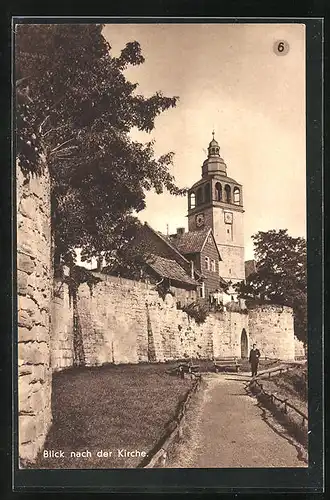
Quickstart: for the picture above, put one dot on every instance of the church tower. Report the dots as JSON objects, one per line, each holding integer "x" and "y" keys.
{"x": 216, "y": 201}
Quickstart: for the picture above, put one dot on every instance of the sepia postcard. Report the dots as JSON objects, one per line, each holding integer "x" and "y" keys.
{"x": 161, "y": 216}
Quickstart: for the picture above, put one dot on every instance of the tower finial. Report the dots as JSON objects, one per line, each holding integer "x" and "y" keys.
{"x": 213, "y": 132}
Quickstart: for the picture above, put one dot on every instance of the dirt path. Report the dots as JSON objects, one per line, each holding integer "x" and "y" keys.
{"x": 226, "y": 427}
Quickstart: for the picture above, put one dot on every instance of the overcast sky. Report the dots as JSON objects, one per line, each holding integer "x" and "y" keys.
{"x": 228, "y": 78}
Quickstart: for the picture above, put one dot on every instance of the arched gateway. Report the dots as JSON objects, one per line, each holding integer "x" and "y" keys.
{"x": 244, "y": 344}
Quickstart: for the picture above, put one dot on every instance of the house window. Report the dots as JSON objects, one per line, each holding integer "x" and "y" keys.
{"x": 207, "y": 263}
{"x": 213, "y": 265}
{"x": 202, "y": 291}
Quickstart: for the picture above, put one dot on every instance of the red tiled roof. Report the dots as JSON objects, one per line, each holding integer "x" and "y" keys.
{"x": 168, "y": 268}
{"x": 190, "y": 242}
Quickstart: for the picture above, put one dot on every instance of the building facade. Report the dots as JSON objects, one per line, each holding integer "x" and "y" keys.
{"x": 216, "y": 201}
{"x": 200, "y": 248}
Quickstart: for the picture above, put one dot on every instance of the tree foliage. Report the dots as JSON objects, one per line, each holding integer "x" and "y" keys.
{"x": 75, "y": 108}
{"x": 281, "y": 276}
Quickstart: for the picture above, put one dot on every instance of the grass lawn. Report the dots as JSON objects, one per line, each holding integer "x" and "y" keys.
{"x": 110, "y": 408}
{"x": 291, "y": 385}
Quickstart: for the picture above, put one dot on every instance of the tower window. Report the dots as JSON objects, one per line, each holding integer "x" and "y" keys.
{"x": 236, "y": 193}
{"x": 228, "y": 194}
{"x": 218, "y": 191}
{"x": 229, "y": 232}
{"x": 192, "y": 200}
{"x": 199, "y": 196}
{"x": 207, "y": 263}
{"x": 207, "y": 193}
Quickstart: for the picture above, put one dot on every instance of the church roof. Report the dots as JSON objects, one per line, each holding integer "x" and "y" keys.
{"x": 222, "y": 178}
{"x": 169, "y": 268}
{"x": 213, "y": 143}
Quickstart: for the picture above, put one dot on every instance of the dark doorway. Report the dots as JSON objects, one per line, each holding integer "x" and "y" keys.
{"x": 244, "y": 344}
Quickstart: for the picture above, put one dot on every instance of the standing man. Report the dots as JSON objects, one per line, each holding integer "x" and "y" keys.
{"x": 254, "y": 359}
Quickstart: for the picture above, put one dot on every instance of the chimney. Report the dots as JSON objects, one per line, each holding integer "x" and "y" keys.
{"x": 180, "y": 230}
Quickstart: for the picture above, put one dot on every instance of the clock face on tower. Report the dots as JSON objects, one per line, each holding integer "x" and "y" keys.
{"x": 200, "y": 220}
{"x": 228, "y": 217}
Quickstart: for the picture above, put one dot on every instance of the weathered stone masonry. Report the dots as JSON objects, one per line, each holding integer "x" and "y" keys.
{"x": 34, "y": 293}
{"x": 271, "y": 327}
{"x": 124, "y": 321}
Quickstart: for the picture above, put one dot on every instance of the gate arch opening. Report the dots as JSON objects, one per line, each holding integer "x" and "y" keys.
{"x": 244, "y": 344}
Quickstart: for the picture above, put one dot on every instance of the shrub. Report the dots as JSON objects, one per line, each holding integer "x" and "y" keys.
{"x": 197, "y": 311}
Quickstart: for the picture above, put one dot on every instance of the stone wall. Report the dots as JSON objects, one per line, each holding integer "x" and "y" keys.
{"x": 34, "y": 293}
{"x": 271, "y": 328}
{"x": 227, "y": 333}
{"x": 299, "y": 348}
{"x": 124, "y": 321}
